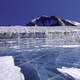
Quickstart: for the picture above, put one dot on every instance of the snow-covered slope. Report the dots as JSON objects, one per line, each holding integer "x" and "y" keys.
{"x": 51, "y": 21}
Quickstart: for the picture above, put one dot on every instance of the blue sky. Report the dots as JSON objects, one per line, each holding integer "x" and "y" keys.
{"x": 19, "y": 12}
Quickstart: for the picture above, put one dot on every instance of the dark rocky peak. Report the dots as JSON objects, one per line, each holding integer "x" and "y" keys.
{"x": 51, "y": 21}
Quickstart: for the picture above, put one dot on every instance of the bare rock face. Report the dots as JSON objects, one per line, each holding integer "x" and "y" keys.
{"x": 8, "y": 71}
{"x": 51, "y": 21}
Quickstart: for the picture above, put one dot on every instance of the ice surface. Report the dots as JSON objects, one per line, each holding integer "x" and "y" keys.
{"x": 74, "y": 72}
{"x": 39, "y": 58}
{"x": 8, "y": 71}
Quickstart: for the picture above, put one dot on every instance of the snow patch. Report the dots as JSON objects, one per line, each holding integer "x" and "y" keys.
{"x": 74, "y": 72}
{"x": 8, "y": 70}
{"x": 67, "y": 46}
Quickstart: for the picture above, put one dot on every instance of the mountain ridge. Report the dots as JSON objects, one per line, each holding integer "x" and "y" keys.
{"x": 52, "y": 21}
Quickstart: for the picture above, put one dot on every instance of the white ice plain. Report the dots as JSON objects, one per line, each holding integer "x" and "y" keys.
{"x": 8, "y": 70}
{"x": 74, "y": 72}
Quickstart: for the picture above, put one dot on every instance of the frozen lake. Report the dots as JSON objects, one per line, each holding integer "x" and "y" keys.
{"x": 40, "y": 58}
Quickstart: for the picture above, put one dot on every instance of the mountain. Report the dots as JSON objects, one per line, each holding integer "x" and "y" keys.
{"x": 51, "y": 21}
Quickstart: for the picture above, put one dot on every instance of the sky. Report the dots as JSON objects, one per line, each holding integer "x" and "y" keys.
{"x": 20, "y": 12}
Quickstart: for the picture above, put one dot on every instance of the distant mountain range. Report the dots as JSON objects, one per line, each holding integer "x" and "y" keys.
{"x": 51, "y": 21}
